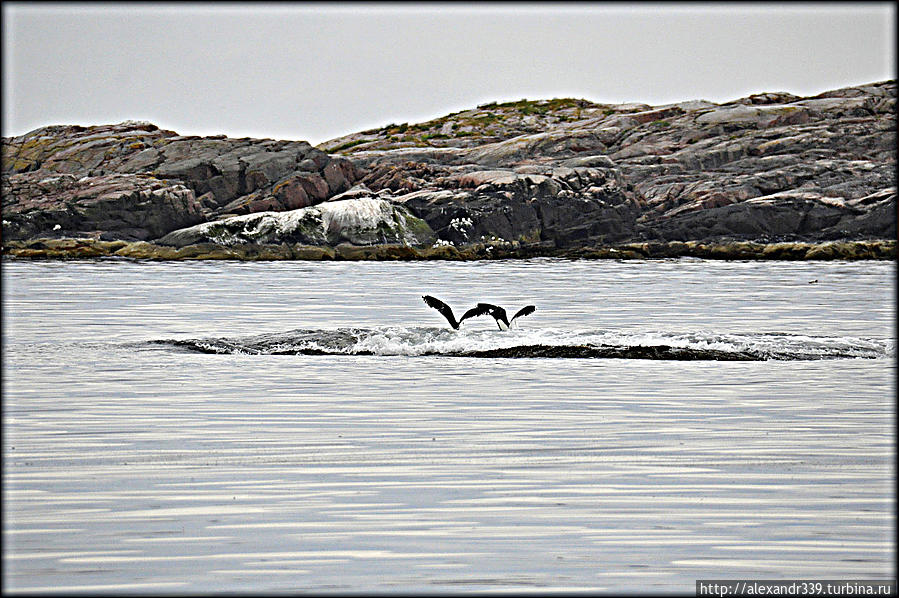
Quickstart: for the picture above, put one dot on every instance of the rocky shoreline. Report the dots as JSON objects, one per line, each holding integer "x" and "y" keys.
{"x": 78, "y": 249}
{"x": 769, "y": 176}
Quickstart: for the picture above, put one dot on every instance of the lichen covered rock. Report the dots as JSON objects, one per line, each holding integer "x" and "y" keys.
{"x": 772, "y": 165}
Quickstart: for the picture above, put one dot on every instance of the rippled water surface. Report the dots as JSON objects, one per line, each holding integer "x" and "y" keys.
{"x": 296, "y": 426}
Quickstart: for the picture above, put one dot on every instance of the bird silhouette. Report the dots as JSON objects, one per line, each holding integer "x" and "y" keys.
{"x": 447, "y": 312}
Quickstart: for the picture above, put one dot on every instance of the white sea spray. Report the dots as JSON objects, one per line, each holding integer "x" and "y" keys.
{"x": 416, "y": 341}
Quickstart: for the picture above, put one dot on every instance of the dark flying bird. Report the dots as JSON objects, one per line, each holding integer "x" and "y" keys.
{"x": 499, "y": 314}
{"x": 447, "y": 312}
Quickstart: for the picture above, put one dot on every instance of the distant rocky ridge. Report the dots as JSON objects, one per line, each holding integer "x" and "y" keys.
{"x": 528, "y": 177}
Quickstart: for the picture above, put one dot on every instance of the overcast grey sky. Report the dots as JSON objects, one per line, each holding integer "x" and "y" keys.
{"x": 317, "y": 71}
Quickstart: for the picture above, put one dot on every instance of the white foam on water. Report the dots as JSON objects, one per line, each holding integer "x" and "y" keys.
{"x": 403, "y": 341}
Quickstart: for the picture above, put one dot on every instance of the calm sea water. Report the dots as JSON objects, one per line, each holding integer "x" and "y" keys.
{"x": 166, "y": 429}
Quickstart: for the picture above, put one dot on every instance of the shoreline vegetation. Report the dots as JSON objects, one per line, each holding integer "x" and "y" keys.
{"x": 76, "y": 249}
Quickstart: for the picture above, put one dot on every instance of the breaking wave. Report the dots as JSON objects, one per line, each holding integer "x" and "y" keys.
{"x": 544, "y": 343}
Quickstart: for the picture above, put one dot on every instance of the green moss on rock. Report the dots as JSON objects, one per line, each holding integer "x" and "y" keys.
{"x": 70, "y": 249}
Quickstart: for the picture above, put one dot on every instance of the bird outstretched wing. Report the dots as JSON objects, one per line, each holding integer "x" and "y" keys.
{"x": 443, "y": 308}
{"x": 529, "y": 309}
{"x": 479, "y": 310}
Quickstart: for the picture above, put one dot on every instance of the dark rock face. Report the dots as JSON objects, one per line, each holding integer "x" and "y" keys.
{"x": 561, "y": 207}
{"x": 112, "y": 206}
{"x": 786, "y": 216}
{"x": 205, "y": 178}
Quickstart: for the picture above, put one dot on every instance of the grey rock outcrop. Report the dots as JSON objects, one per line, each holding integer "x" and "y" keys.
{"x": 222, "y": 176}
